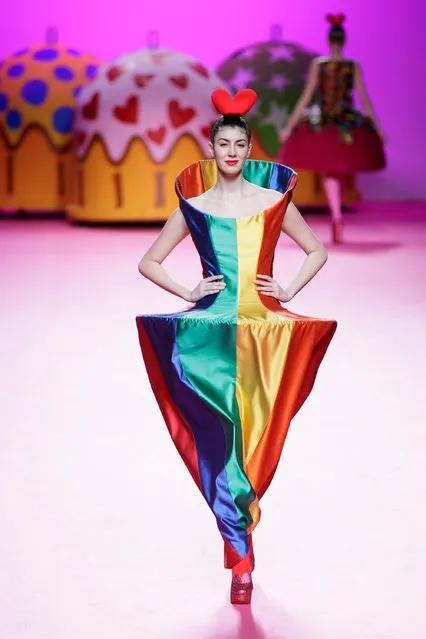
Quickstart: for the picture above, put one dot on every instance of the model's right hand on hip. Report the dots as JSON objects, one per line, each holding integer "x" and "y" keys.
{"x": 208, "y": 286}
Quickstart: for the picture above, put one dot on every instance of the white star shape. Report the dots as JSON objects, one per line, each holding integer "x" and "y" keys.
{"x": 278, "y": 82}
{"x": 279, "y": 52}
{"x": 278, "y": 116}
{"x": 242, "y": 78}
{"x": 247, "y": 53}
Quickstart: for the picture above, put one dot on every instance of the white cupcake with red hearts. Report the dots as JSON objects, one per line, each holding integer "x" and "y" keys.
{"x": 145, "y": 117}
{"x": 153, "y": 94}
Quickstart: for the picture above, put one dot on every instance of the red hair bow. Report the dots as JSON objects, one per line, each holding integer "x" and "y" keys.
{"x": 336, "y": 20}
{"x": 240, "y": 104}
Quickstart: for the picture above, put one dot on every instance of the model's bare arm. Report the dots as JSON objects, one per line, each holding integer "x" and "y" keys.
{"x": 174, "y": 231}
{"x": 304, "y": 101}
{"x": 316, "y": 256}
{"x": 366, "y": 101}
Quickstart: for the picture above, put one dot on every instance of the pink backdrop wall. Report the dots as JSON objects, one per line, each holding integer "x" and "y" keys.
{"x": 387, "y": 40}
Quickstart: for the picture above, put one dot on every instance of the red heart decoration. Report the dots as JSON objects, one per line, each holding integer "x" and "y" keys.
{"x": 180, "y": 81}
{"x": 206, "y": 131}
{"x": 80, "y": 137}
{"x": 90, "y": 109}
{"x": 336, "y": 20}
{"x": 142, "y": 80}
{"x": 178, "y": 115}
{"x": 157, "y": 135}
{"x": 128, "y": 113}
{"x": 113, "y": 73}
{"x": 199, "y": 69}
{"x": 240, "y": 104}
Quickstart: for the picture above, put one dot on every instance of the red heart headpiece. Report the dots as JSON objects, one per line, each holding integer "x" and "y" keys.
{"x": 240, "y": 104}
{"x": 336, "y": 20}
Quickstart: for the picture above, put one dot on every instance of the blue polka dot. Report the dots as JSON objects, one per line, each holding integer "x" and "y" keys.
{"x": 45, "y": 55}
{"x": 35, "y": 91}
{"x": 13, "y": 119}
{"x": 18, "y": 54}
{"x": 16, "y": 70}
{"x": 74, "y": 52}
{"x": 91, "y": 71}
{"x": 65, "y": 74}
{"x": 62, "y": 119}
{"x": 77, "y": 91}
{"x": 4, "y": 101}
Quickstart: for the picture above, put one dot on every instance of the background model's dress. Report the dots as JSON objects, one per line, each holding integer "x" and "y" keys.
{"x": 336, "y": 138}
{"x": 230, "y": 373}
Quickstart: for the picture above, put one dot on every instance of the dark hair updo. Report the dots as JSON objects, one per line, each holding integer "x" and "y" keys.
{"x": 232, "y": 121}
{"x": 336, "y": 33}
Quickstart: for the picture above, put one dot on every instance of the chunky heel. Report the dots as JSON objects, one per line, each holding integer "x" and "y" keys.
{"x": 337, "y": 231}
{"x": 241, "y": 589}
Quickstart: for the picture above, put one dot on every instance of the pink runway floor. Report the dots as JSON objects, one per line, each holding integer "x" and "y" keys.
{"x": 98, "y": 514}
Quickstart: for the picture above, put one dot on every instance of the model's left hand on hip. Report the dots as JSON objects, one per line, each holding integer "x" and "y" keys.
{"x": 268, "y": 286}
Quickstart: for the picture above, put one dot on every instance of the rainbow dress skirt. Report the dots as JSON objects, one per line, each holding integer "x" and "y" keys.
{"x": 230, "y": 373}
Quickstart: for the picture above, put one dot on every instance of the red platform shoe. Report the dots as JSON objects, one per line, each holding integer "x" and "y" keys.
{"x": 241, "y": 589}
{"x": 337, "y": 231}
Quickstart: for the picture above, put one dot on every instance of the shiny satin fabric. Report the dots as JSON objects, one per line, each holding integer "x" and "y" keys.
{"x": 230, "y": 373}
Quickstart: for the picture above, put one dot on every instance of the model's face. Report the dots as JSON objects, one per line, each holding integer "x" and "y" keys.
{"x": 336, "y": 47}
{"x": 230, "y": 149}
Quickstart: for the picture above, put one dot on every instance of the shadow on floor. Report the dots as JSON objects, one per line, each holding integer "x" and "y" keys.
{"x": 262, "y": 620}
{"x": 362, "y": 247}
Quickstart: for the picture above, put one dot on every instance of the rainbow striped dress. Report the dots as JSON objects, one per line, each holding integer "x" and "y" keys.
{"x": 230, "y": 373}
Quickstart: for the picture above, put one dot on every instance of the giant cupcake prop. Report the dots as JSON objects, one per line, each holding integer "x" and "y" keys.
{"x": 277, "y": 71}
{"x": 38, "y": 94}
{"x": 145, "y": 117}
